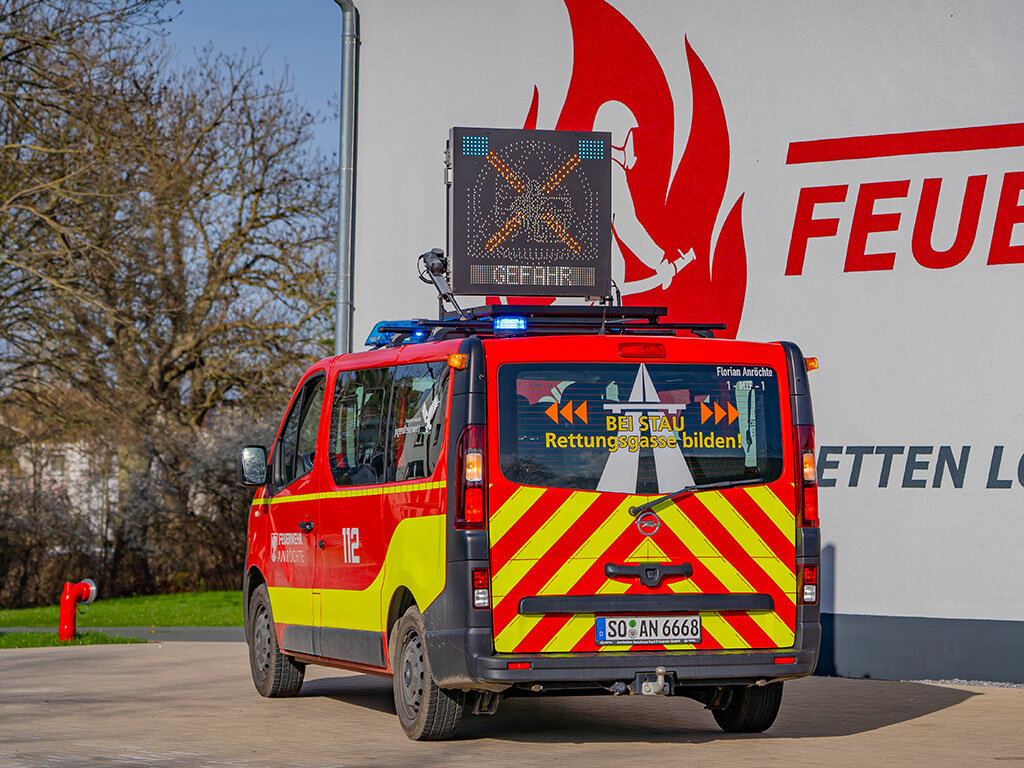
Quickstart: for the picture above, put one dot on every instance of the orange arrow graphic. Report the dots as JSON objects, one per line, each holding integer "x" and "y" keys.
{"x": 581, "y": 412}
{"x": 567, "y": 411}
{"x": 719, "y": 413}
{"x": 705, "y": 412}
{"x": 733, "y": 413}
{"x": 552, "y": 412}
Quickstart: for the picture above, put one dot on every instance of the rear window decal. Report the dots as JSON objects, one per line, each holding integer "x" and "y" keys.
{"x": 675, "y": 425}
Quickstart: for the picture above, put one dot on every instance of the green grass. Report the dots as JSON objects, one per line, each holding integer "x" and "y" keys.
{"x": 191, "y": 609}
{"x": 48, "y": 639}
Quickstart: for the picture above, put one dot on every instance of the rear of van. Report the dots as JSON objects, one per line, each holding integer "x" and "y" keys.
{"x": 631, "y": 514}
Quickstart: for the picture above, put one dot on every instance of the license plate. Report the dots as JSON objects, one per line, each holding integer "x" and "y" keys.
{"x": 646, "y": 630}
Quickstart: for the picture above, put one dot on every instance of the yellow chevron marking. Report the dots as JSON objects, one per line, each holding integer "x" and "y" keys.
{"x": 780, "y": 574}
{"x": 606, "y": 534}
{"x": 734, "y": 523}
{"x": 774, "y": 627}
{"x": 505, "y": 579}
{"x": 716, "y": 624}
{"x": 647, "y": 551}
{"x": 569, "y": 572}
{"x": 709, "y": 556}
{"x": 684, "y": 587}
{"x": 560, "y": 521}
{"x": 752, "y": 544}
{"x": 581, "y": 623}
{"x": 574, "y": 567}
{"x": 553, "y": 528}
{"x": 778, "y": 512}
{"x": 515, "y": 507}
{"x": 513, "y": 634}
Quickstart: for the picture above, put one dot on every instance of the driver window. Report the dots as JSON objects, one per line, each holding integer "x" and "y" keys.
{"x": 298, "y": 438}
{"x": 310, "y": 426}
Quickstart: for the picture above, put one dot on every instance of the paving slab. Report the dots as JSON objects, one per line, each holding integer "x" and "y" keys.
{"x": 193, "y": 704}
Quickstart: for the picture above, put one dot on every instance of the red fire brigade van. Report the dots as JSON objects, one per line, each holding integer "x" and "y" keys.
{"x": 522, "y": 501}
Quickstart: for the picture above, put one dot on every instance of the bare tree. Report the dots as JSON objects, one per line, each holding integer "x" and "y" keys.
{"x": 165, "y": 235}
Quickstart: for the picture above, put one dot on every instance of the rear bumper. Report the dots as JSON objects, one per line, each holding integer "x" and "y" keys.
{"x": 464, "y": 658}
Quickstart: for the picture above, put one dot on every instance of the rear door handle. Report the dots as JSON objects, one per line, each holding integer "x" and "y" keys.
{"x": 306, "y": 526}
{"x": 650, "y": 574}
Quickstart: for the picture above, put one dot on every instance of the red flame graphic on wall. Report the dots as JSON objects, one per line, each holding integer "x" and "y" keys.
{"x": 613, "y": 63}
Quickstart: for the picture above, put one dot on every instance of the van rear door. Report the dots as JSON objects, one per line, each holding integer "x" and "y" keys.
{"x": 581, "y": 444}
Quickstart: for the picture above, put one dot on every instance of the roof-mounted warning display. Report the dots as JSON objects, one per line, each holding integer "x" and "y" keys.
{"x": 529, "y": 212}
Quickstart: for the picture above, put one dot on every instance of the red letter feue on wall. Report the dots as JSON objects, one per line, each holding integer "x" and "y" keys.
{"x": 1010, "y": 212}
{"x": 805, "y": 226}
{"x": 866, "y": 221}
{"x": 967, "y": 229}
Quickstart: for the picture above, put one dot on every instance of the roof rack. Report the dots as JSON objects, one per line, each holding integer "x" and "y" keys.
{"x": 546, "y": 320}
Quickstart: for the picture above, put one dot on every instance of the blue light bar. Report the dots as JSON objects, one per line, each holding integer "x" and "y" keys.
{"x": 379, "y": 338}
{"x": 509, "y": 325}
{"x": 420, "y": 334}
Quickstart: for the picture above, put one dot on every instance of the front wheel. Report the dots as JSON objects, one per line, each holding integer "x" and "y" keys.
{"x": 275, "y": 674}
{"x": 426, "y": 711}
{"x": 751, "y": 709}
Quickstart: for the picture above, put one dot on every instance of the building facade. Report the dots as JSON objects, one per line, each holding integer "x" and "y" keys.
{"x": 844, "y": 175}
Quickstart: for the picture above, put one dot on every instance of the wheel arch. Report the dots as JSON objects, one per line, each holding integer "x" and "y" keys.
{"x": 253, "y": 578}
{"x": 402, "y": 599}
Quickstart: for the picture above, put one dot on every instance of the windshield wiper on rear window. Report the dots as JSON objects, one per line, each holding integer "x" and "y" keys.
{"x": 687, "y": 490}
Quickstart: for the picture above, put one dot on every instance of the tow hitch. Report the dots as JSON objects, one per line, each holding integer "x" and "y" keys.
{"x": 661, "y": 683}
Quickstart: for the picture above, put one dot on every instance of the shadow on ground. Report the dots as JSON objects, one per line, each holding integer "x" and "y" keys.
{"x": 811, "y": 708}
{"x": 366, "y": 691}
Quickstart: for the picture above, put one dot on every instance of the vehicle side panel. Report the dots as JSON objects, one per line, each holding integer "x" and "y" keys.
{"x": 339, "y": 613}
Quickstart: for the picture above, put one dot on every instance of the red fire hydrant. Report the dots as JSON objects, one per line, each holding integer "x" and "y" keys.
{"x": 83, "y": 592}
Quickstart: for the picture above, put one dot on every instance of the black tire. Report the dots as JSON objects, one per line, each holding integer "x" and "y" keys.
{"x": 752, "y": 709}
{"x": 275, "y": 674}
{"x": 426, "y": 711}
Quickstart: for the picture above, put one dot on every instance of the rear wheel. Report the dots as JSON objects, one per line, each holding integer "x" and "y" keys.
{"x": 274, "y": 673}
{"x": 751, "y": 709}
{"x": 426, "y": 711}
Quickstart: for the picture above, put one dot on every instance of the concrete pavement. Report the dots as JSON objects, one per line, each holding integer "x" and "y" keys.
{"x": 193, "y": 704}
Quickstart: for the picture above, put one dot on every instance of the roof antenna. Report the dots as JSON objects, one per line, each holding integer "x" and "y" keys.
{"x": 432, "y": 267}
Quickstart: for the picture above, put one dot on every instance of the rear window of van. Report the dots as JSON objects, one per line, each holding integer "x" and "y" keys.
{"x": 638, "y": 428}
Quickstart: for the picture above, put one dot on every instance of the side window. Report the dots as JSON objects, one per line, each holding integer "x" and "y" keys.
{"x": 358, "y": 408}
{"x": 285, "y": 453}
{"x": 298, "y": 437}
{"x": 416, "y": 426}
{"x": 309, "y": 427}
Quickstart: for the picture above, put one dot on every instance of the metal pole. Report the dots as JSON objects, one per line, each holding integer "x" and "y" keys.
{"x": 343, "y": 307}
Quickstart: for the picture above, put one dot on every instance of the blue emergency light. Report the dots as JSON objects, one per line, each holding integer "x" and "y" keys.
{"x": 509, "y": 325}
{"x": 379, "y": 338}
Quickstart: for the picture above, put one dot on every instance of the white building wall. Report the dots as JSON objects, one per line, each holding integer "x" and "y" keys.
{"x": 910, "y": 356}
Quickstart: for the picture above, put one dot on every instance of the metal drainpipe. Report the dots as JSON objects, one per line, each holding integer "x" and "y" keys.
{"x": 343, "y": 307}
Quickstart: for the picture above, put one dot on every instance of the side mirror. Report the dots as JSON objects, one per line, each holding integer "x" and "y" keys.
{"x": 252, "y": 465}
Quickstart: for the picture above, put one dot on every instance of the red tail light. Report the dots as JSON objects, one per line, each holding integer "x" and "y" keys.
{"x": 807, "y": 488}
{"x": 471, "y": 496}
{"x": 481, "y": 588}
{"x": 808, "y": 584}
